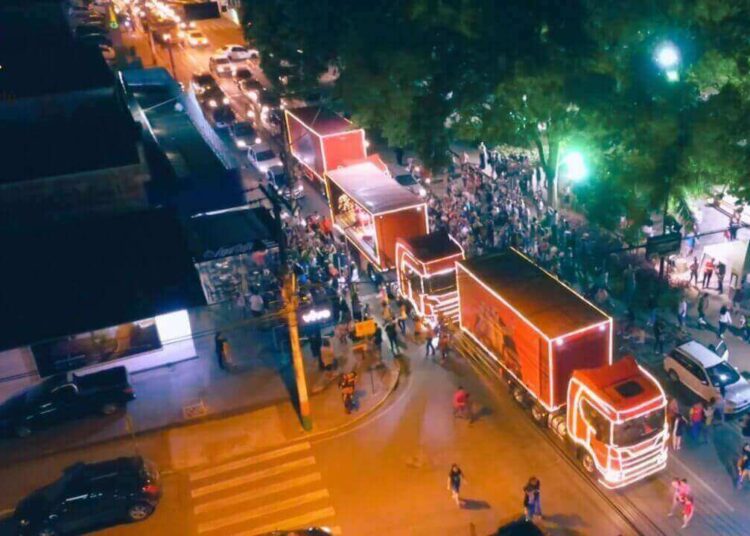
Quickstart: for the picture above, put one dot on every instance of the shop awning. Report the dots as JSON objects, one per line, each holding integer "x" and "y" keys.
{"x": 92, "y": 273}
{"x": 373, "y": 189}
{"x": 231, "y": 233}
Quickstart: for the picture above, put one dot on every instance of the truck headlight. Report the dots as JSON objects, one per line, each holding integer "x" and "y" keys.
{"x": 212, "y": 103}
{"x": 225, "y": 100}
{"x": 241, "y": 144}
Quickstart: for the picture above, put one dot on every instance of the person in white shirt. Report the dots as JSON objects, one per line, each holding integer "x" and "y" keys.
{"x": 256, "y": 304}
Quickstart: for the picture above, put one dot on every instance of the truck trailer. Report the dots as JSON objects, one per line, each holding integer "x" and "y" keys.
{"x": 554, "y": 350}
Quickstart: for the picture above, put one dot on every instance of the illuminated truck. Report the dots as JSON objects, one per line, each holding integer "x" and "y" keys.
{"x": 426, "y": 272}
{"x": 321, "y": 140}
{"x": 372, "y": 211}
{"x": 554, "y": 349}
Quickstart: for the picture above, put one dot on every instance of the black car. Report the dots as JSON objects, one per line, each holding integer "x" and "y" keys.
{"x": 89, "y": 496}
{"x": 213, "y": 98}
{"x": 65, "y": 396}
{"x": 202, "y": 82}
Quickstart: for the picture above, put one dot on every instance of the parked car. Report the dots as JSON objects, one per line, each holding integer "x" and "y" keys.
{"x": 90, "y": 496}
{"x": 202, "y": 82}
{"x": 196, "y": 39}
{"x": 222, "y": 116}
{"x": 244, "y": 135}
{"x": 213, "y": 98}
{"x": 262, "y": 157}
{"x": 237, "y": 52}
{"x": 705, "y": 373}
{"x": 242, "y": 73}
{"x": 279, "y": 181}
{"x": 220, "y": 65}
{"x": 65, "y": 396}
{"x": 406, "y": 179}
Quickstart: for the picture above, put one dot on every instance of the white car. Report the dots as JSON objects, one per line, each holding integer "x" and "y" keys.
{"x": 238, "y": 52}
{"x": 220, "y": 66}
{"x": 197, "y": 39}
{"x": 262, "y": 157}
{"x": 705, "y": 373}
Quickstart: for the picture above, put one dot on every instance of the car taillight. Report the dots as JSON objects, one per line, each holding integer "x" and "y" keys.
{"x": 150, "y": 489}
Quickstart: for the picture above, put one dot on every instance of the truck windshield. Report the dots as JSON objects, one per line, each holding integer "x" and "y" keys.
{"x": 639, "y": 429}
{"x": 722, "y": 375}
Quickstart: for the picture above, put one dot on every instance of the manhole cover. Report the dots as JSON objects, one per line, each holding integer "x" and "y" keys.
{"x": 193, "y": 411}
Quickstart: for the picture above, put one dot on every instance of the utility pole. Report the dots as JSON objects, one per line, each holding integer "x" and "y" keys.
{"x": 290, "y": 295}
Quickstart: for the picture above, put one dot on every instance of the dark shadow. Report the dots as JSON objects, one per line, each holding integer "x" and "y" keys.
{"x": 405, "y": 362}
{"x": 482, "y": 411}
{"x": 565, "y": 520}
{"x": 474, "y": 504}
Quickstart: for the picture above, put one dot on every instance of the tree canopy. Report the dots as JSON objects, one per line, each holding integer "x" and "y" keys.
{"x": 552, "y": 76}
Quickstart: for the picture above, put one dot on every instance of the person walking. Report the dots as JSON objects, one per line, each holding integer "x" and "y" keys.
{"x": 444, "y": 344}
{"x": 377, "y": 342}
{"x": 708, "y": 272}
{"x": 688, "y": 509}
{"x": 721, "y": 271}
{"x": 536, "y": 489}
{"x": 429, "y": 333}
{"x": 256, "y": 304}
{"x": 658, "y": 330}
{"x": 743, "y": 466}
{"x": 460, "y": 403}
{"x": 682, "y": 311}
{"x": 678, "y": 495}
{"x": 227, "y": 354}
{"x": 402, "y": 316}
{"x": 455, "y": 478}
{"x": 696, "y": 420}
{"x": 219, "y": 345}
{"x": 678, "y": 430}
{"x": 702, "y": 309}
{"x": 694, "y": 272}
{"x": 482, "y": 155}
{"x": 725, "y": 319}
{"x": 390, "y": 331}
{"x": 709, "y": 411}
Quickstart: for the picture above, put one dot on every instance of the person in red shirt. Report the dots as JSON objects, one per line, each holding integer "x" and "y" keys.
{"x": 460, "y": 402}
{"x": 708, "y": 272}
{"x": 688, "y": 509}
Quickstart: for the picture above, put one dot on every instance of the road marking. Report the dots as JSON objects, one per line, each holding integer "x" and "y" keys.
{"x": 252, "y": 477}
{"x": 703, "y": 483}
{"x": 250, "y": 460}
{"x": 263, "y": 511}
{"x": 294, "y": 523}
{"x": 257, "y": 493}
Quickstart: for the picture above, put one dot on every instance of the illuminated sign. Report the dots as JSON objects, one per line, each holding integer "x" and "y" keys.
{"x": 316, "y": 315}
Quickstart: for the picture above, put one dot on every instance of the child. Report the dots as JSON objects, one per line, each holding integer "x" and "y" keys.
{"x": 688, "y": 508}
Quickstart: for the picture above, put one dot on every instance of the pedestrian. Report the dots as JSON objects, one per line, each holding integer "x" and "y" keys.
{"x": 677, "y": 496}
{"x": 721, "y": 405}
{"x": 702, "y": 309}
{"x": 708, "y": 272}
{"x": 444, "y": 344}
{"x": 725, "y": 319}
{"x": 402, "y": 316}
{"x": 316, "y": 347}
{"x": 688, "y": 508}
{"x": 743, "y": 466}
{"x": 682, "y": 311}
{"x": 461, "y": 404}
{"x": 673, "y": 410}
{"x": 429, "y": 334}
{"x": 387, "y": 313}
{"x": 696, "y": 420}
{"x": 219, "y": 344}
{"x": 256, "y": 303}
{"x": 418, "y": 328}
{"x": 694, "y": 272}
{"x": 658, "y": 341}
{"x": 530, "y": 494}
{"x": 390, "y": 331}
{"x": 377, "y": 342}
{"x": 227, "y": 355}
{"x": 455, "y": 476}
{"x": 678, "y": 430}
{"x": 536, "y": 489}
{"x": 482, "y": 155}
{"x": 721, "y": 271}
{"x": 709, "y": 412}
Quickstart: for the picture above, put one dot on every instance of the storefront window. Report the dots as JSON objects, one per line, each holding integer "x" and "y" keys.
{"x": 228, "y": 278}
{"x": 440, "y": 284}
{"x": 94, "y": 347}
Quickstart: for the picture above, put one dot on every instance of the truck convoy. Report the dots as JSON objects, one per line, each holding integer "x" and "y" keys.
{"x": 554, "y": 349}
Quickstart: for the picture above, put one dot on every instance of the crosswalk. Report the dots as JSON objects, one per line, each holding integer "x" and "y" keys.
{"x": 253, "y": 495}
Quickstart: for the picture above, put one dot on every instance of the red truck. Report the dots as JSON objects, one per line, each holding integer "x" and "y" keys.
{"x": 554, "y": 349}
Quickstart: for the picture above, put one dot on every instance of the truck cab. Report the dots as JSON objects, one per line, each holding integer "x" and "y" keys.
{"x": 616, "y": 415}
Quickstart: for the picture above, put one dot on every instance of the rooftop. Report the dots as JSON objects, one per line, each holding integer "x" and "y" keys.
{"x": 230, "y": 233}
{"x": 621, "y": 384}
{"x": 322, "y": 120}
{"x": 433, "y": 246}
{"x": 550, "y": 306}
{"x": 93, "y": 273}
{"x": 373, "y": 189}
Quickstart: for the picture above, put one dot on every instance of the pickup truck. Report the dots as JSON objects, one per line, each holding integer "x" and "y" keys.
{"x": 65, "y": 396}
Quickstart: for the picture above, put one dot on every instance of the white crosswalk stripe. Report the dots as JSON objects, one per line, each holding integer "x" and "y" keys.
{"x": 261, "y": 493}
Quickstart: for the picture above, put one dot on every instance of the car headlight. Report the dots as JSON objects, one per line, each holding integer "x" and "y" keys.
{"x": 212, "y": 103}
{"x": 422, "y": 191}
{"x": 225, "y": 100}
{"x": 241, "y": 144}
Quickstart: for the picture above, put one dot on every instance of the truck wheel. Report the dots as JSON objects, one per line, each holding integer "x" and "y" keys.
{"x": 539, "y": 414}
{"x": 673, "y": 376}
{"x": 140, "y": 511}
{"x": 588, "y": 463}
{"x": 22, "y": 430}
{"x": 518, "y": 394}
{"x": 108, "y": 409}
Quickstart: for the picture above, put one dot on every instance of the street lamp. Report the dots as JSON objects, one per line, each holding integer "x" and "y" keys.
{"x": 575, "y": 166}
{"x": 667, "y": 56}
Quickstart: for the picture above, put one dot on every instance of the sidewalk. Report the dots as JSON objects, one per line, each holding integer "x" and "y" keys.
{"x": 187, "y": 392}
